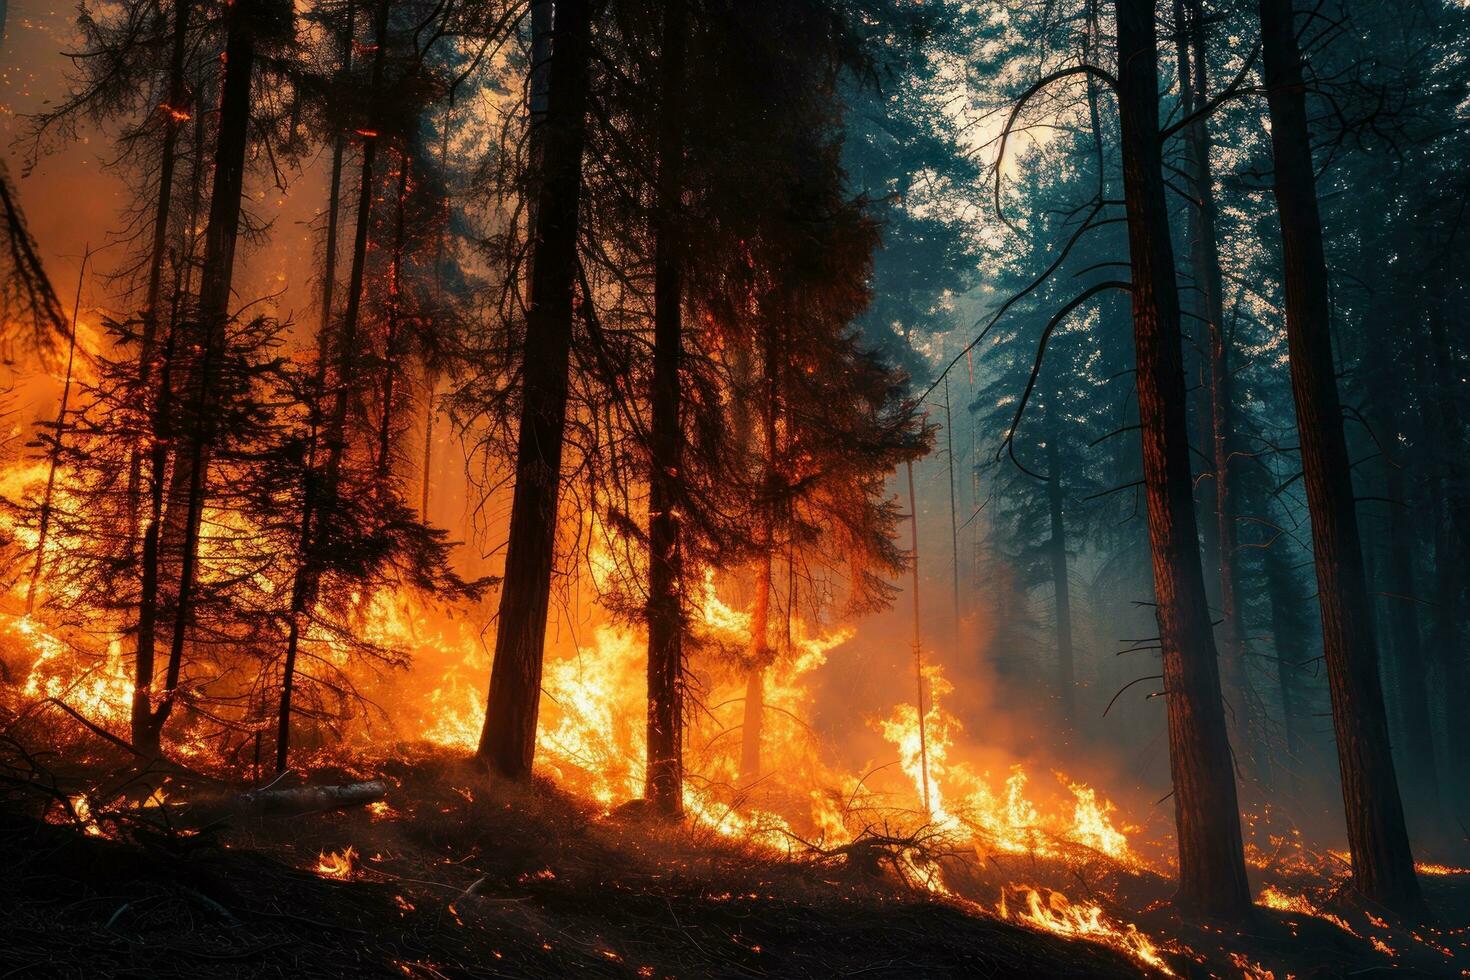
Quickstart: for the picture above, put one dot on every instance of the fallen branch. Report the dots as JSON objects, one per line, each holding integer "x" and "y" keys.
{"x": 267, "y": 802}
{"x": 311, "y": 799}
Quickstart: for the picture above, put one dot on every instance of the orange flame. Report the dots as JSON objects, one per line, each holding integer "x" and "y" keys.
{"x": 337, "y": 864}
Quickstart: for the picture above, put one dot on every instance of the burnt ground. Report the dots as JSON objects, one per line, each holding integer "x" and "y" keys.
{"x": 457, "y": 878}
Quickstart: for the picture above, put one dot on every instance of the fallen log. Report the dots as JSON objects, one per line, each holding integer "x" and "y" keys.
{"x": 264, "y": 802}
{"x": 310, "y": 799}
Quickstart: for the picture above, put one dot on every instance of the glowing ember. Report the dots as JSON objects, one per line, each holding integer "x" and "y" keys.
{"x": 81, "y": 807}
{"x": 337, "y": 864}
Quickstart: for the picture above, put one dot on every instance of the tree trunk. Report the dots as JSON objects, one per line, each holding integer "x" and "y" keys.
{"x": 393, "y": 340}
{"x": 1421, "y": 780}
{"x": 187, "y": 491}
{"x": 334, "y": 206}
{"x": 954, "y": 520}
{"x": 1236, "y": 679}
{"x": 431, "y": 382}
{"x": 539, "y": 105}
{"x": 1057, "y": 549}
{"x": 665, "y": 776}
{"x": 145, "y": 733}
{"x": 761, "y": 654}
{"x": 508, "y": 740}
{"x": 1446, "y": 641}
{"x": 319, "y": 499}
{"x": 753, "y": 723}
{"x": 920, "y": 706}
{"x": 1212, "y": 876}
{"x": 1204, "y": 261}
{"x": 1383, "y": 865}
{"x": 174, "y": 116}
{"x": 1286, "y": 645}
{"x": 1450, "y": 557}
{"x": 1452, "y": 444}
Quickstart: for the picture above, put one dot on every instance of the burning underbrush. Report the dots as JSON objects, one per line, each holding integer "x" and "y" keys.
{"x": 450, "y": 875}
{"x": 960, "y": 856}
{"x": 445, "y": 876}
{"x": 416, "y": 865}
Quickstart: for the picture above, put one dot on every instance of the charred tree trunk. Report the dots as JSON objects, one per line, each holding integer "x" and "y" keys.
{"x": 1383, "y": 865}
{"x": 539, "y": 105}
{"x": 174, "y": 116}
{"x": 334, "y": 206}
{"x": 319, "y": 498}
{"x": 393, "y": 341}
{"x": 145, "y": 733}
{"x": 761, "y": 654}
{"x": 186, "y": 494}
{"x": 1212, "y": 876}
{"x": 508, "y": 740}
{"x": 664, "y": 612}
{"x": 753, "y": 724}
{"x": 431, "y": 383}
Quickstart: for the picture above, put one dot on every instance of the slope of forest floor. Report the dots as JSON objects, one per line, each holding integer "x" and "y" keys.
{"x": 453, "y": 877}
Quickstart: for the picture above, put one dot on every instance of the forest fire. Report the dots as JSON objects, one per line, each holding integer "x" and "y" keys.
{"x": 591, "y": 741}
{"x": 526, "y": 440}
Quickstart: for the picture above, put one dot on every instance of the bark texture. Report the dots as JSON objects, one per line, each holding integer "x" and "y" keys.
{"x": 665, "y": 777}
{"x": 1383, "y": 865}
{"x": 1212, "y": 876}
{"x": 508, "y": 739}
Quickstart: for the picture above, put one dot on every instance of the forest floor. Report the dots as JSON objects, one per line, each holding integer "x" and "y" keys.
{"x": 452, "y": 877}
